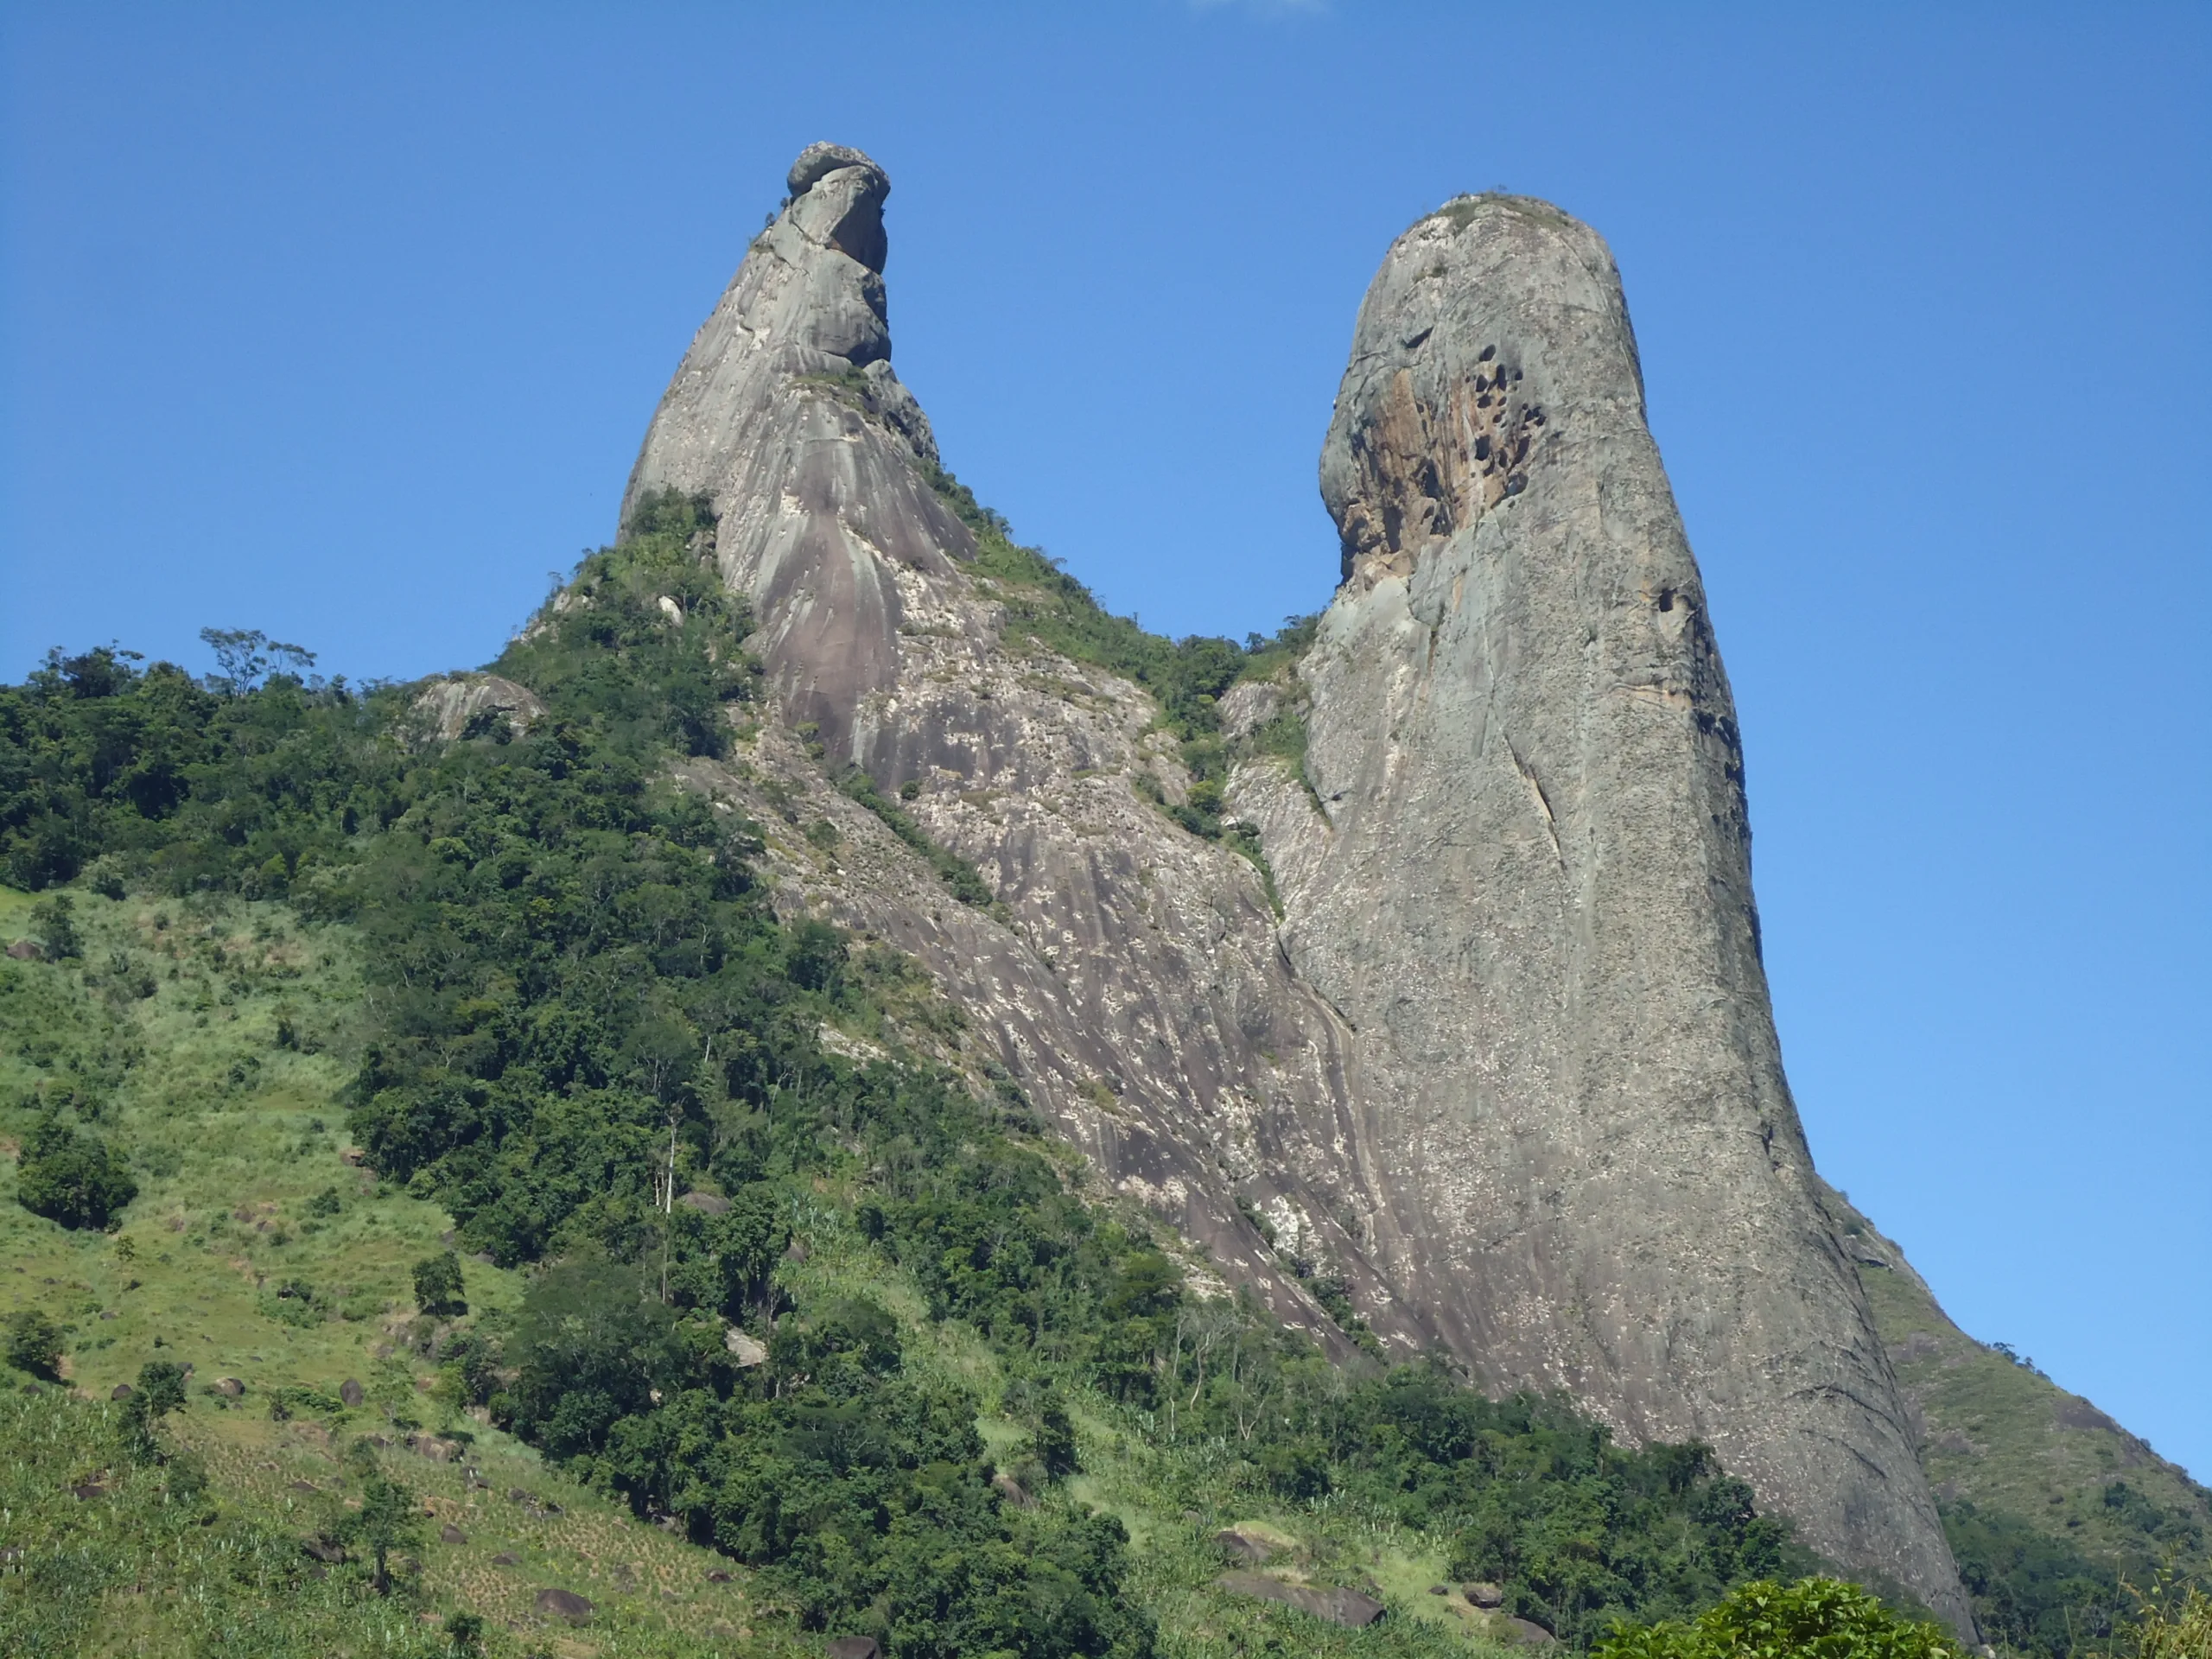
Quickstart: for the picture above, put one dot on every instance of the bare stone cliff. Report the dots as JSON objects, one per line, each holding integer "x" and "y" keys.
{"x": 1505, "y": 1063}
{"x": 1529, "y": 894}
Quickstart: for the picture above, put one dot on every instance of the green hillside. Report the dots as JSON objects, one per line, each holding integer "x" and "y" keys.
{"x": 753, "y": 1343}
{"x": 2051, "y": 1507}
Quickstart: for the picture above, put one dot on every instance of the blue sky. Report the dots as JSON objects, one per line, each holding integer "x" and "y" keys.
{"x": 346, "y": 326}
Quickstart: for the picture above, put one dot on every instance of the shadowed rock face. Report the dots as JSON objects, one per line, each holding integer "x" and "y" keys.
{"x": 1507, "y": 1064}
{"x": 1529, "y": 894}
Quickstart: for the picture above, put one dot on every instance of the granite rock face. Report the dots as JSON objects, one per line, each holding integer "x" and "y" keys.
{"x": 786, "y": 412}
{"x": 1529, "y": 892}
{"x": 1505, "y": 1064}
{"x": 1129, "y": 980}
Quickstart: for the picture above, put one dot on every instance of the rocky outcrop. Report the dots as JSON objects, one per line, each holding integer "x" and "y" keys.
{"x": 1505, "y": 1063}
{"x": 1528, "y": 891}
{"x": 787, "y": 414}
{"x": 464, "y": 705}
{"x": 1129, "y": 980}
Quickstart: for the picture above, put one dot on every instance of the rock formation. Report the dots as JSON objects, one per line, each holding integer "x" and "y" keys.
{"x": 1506, "y": 1062}
{"x": 1529, "y": 892}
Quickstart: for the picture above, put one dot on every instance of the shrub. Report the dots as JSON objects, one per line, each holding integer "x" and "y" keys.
{"x": 35, "y": 1344}
{"x": 437, "y": 1285}
{"x": 71, "y": 1177}
{"x": 56, "y": 923}
{"x": 2174, "y": 1622}
{"x": 1055, "y": 1439}
{"x": 1816, "y": 1618}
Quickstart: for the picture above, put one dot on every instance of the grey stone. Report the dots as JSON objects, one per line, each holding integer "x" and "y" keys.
{"x": 707, "y": 1203}
{"x": 851, "y": 1647}
{"x": 460, "y": 703}
{"x": 1012, "y": 1491}
{"x": 1236, "y": 1541}
{"x": 121, "y": 1391}
{"x": 230, "y": 1387}
{"x": 1483, "y": 1595}
{"x": 350, "y": 1391}
{"x": 1528, "y": 1634}
{"x": 1507, "y": 1062}
{"x": 449, "y": 1533}
{"x": 786, "y": 412}
{"x": 565, "y": 1605}
{"x": 1528, "y": 893}
{"x": 1349, "y": 1608}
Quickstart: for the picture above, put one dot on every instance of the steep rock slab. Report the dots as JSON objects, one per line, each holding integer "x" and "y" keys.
{"x": 1528, "y": 891}
{"x": 1129, "y": 977}
{"x": 786, "y": 412}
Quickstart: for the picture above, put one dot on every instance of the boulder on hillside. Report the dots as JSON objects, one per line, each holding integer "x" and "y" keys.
{"x": 352, "y": 1392}
{"x": 1349, "y": 1608}
{"x": 707, "y": 1203}
{"x": 479, "y": 705}
{"x": 852, "y": 1647}
{"x": 564, "y": 1604}
{"x": 229, "y": 1387}
{"x": 1484, "y": 1595}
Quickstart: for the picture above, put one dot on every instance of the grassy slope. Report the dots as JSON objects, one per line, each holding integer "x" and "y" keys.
{"x": 2007, "y": 1438}
{"x": 231, "y": 1137}
{"x": 226, "y": 1170}
{"x": 1173, "y": 1501}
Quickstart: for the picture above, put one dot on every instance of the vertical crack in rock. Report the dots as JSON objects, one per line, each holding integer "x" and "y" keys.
{"x": 1508, "y": 1064}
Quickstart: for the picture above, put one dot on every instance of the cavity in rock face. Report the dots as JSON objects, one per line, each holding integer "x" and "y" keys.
{"x": 1528, "y": 891}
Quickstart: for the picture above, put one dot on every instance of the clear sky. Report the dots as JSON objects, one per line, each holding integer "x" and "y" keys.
{"x": 345, "y": 323}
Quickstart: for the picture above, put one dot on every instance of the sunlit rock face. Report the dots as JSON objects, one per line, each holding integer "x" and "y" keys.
{"x": 1506, "y": 1062}
{"x": 1529, "y": 892}
{"x": 787, "y": 412}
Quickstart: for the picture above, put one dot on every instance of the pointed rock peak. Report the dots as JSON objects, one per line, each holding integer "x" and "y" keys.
{"x": 837, "y": 202}
{"x": 786, "y": 415}
{"x": 1529, "y": 896}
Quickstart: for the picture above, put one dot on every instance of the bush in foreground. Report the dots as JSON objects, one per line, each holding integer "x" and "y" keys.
{"x": 1813, "y": 1618}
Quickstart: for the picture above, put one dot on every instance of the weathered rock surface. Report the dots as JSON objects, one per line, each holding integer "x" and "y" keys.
{"x": 1507, "y": 1064}
{"x": 1131, "y": 981}
{"x": 1529, "y": 892}
{"x": 1349, "y": 1608}
{"x": 786, "y": 412}
{"x": 565, "y": 1605}
{"x": 461, "y": 705}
